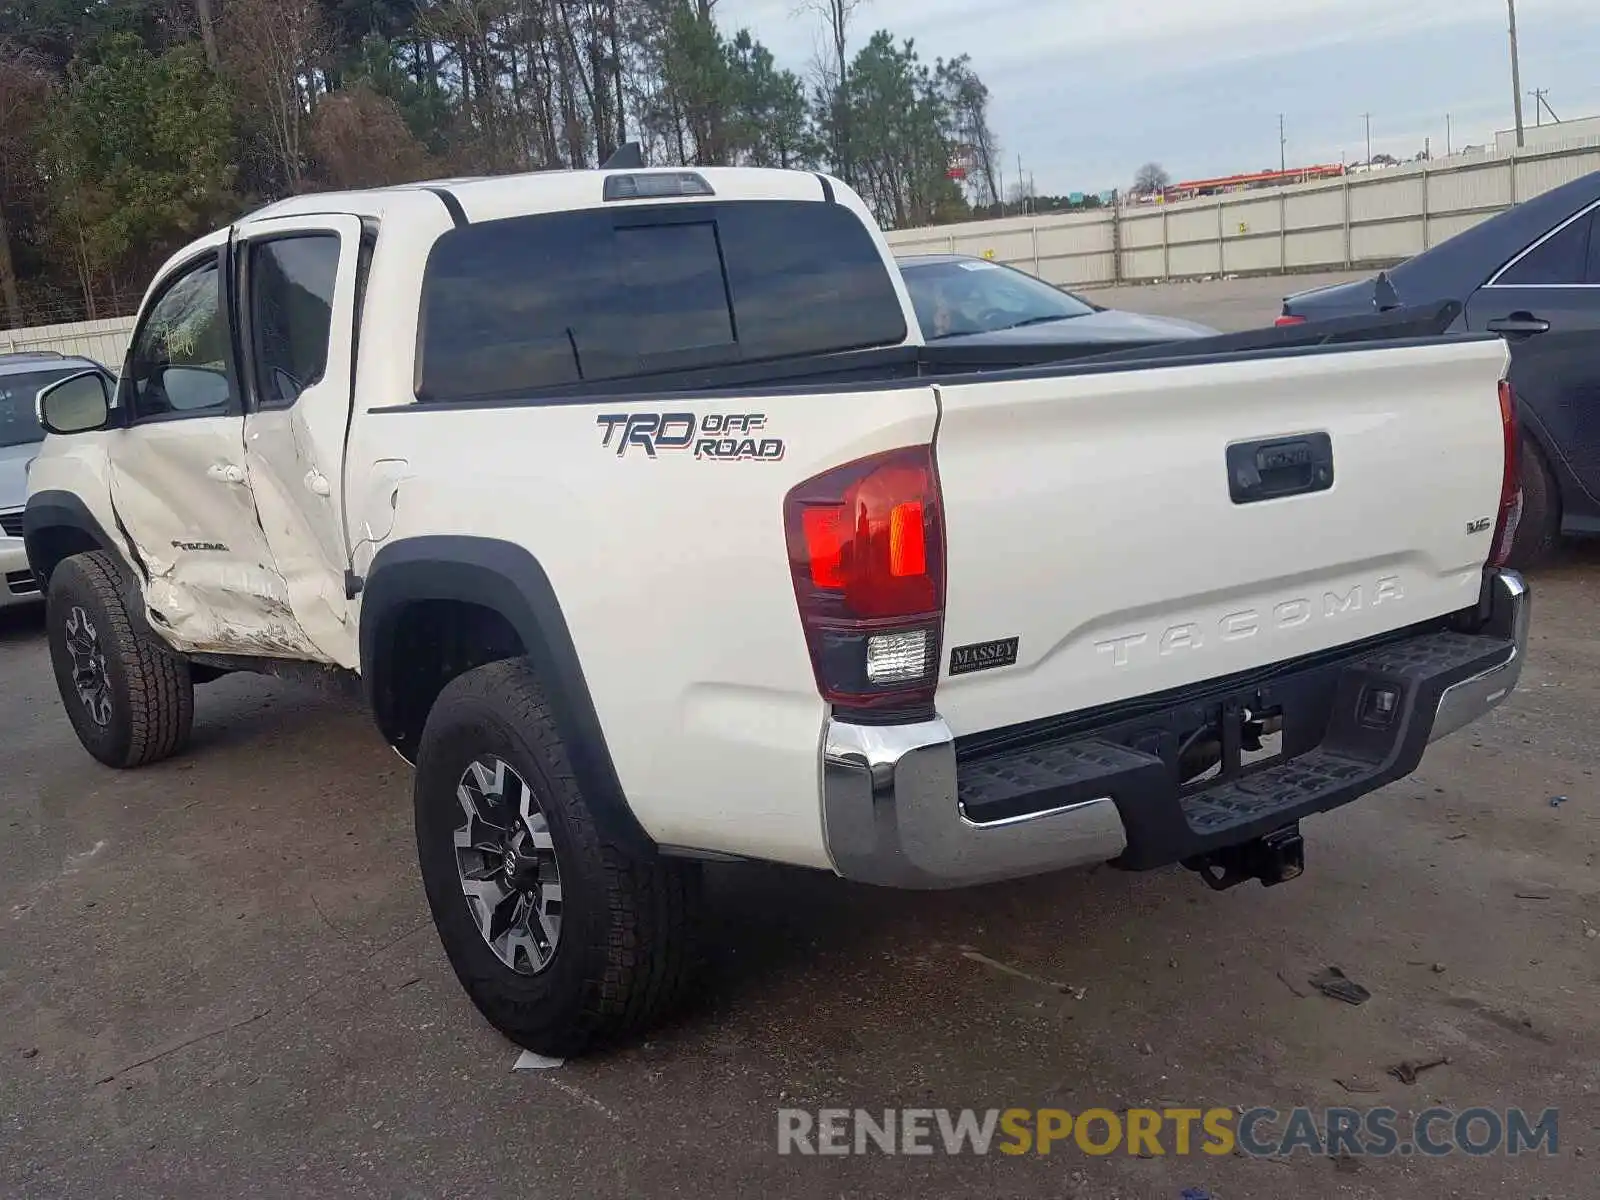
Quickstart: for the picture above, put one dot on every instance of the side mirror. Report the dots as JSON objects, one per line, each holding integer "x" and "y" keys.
{"x": 79, "y": 403}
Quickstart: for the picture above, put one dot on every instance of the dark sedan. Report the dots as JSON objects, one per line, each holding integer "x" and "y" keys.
{"x": 972, "y": 302}
{"x": 1531, "y": 274}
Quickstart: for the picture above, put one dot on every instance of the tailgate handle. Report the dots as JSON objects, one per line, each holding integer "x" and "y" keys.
{"x": 1278, "y": 467}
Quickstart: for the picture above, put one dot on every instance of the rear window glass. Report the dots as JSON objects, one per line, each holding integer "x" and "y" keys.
{"x": 555, "y": 299}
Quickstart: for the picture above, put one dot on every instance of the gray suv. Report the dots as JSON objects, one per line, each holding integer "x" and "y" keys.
{"x": 21, "y": 377}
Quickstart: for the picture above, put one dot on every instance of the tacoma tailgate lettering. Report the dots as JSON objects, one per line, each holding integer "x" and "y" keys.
{"x": 1240, "y": 626}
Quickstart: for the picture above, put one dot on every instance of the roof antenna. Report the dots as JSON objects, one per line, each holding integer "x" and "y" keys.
{"x": 628, "y": 155}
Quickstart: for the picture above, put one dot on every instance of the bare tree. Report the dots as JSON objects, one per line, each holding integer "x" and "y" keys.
{"x": 837, "y": 16}
{"x": 968, "y": 100}
{"x": 359, "y": 139}
{"x": 1152, "y": 177}
{"x": 273, "y": 50}
{"x": 208, "y": 33}
{"x": 25, "y": 88}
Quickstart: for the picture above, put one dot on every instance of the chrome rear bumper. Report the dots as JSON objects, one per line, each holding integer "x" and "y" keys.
{"x": 891, "y": 816}
{"x": 892, "y": 813}
{"x": 1510, "y": 609}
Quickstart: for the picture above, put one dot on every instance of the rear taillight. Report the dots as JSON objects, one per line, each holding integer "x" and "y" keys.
{"x": 1289, "y": 319}
{"x": 866, "y": 549}
{"x": 1505, "y": 528}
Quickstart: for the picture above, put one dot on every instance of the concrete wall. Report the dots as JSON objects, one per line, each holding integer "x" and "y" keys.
{"x": 1371, "y": 219}
{"x": 1550, "y": 135}
{"x": 104, "y": 341}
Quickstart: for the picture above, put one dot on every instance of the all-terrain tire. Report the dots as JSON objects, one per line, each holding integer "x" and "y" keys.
{"x": 1539, "y": 530}
{"x": 143, "y": 708}
{"x": 627, "y": 945}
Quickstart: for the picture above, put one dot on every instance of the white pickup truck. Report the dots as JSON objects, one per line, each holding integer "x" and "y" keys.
{"x": 655, "y": 534}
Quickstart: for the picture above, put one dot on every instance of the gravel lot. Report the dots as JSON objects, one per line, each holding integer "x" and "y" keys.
{"x": 217, "y": 974}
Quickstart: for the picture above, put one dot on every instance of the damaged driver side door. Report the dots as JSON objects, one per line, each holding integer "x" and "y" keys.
{"x": 300, "y": 288}
{"x": 180, "y": 488}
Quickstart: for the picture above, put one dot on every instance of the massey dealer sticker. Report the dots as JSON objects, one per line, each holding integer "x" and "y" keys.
{"x": 984, "y": 656}
{"x": 722, "y": 437}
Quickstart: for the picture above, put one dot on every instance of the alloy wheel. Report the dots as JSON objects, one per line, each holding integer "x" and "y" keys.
{"x": 507, "y": 863}
{"x": 90, "y": 675}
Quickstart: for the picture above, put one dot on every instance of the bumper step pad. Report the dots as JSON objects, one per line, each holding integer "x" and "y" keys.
{"x": 1285, "y": 786}
{"x": 1338, "y": 754}
{"x": 1037, "y": 778}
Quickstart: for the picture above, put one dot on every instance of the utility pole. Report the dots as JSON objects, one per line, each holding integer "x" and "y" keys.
{"x": 1449, "y": 146}
{"x": 1516, "y": 71}
{"x": 1368, "y": 117}
{"x": 1538, "y": 95}
{"x": 1283, "y": 147}
{"x": 1542, "y": 105}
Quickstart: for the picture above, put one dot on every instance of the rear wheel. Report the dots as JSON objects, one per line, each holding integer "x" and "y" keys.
{"x": 130, "y": 699}
{"x": 560, "y": 939}
{"x": 1539, "y": 529}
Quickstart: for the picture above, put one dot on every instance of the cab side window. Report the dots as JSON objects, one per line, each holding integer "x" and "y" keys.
{"x": 179, "y": 362}
{"x": 291, "y": 314}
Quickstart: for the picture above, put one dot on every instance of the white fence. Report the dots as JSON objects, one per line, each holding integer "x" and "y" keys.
{"x": 104, "y": 341}
{"x": 1373, "y": 219}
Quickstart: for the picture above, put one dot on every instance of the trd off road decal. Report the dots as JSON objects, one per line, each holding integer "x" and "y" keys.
{"x": 723, "y": 437}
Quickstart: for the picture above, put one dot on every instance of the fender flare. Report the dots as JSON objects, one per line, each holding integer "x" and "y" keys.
{"x": 55, "y": 521}
{"x": 507, "y": 579}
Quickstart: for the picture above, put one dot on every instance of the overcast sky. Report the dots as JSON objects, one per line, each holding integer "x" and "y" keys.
{"x": 1087, "y": 90}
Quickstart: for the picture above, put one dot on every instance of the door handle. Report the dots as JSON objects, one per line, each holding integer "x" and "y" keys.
{"x": 226, "y": 472}
{"x": 1519, "y": 325}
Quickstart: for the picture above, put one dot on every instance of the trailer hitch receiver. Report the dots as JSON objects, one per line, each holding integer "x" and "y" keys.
{"x": 1276, "y": 858}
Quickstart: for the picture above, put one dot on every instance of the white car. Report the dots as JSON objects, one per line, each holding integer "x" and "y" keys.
{"x": 655, "y": 535}
{"x": 21, "y": 377}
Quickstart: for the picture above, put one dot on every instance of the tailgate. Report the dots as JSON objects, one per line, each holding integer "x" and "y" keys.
{"x": 1093, "y": 517}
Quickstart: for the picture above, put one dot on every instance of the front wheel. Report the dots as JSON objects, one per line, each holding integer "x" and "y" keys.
{"x": 560, "y": 939}
{"x": 130, "y": 699}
